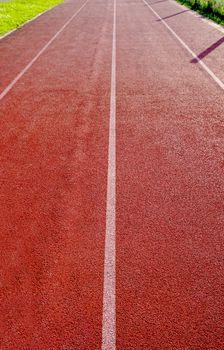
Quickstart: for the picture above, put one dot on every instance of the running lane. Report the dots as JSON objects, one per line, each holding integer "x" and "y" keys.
{"x": 170, "y": 188}
{"x": 15, "y": 52}
{"x": 204, "y": 37}
{"x": 54, "y": 144}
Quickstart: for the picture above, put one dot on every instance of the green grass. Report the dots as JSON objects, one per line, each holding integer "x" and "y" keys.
{"x": 16, "y": 12}
{"x": 213, "y": 9}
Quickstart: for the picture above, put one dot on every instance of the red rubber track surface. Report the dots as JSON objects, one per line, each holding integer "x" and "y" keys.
{"x": 170, "y": 188}
{"x": 54, "y": 137}
{"x": 19, "y": 48}
{"x": 201, "y": 37}
{"x": 170, "y": 185}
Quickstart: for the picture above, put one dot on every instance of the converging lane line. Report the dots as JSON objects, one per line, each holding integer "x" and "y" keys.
{"x": 29, "y": 65}
{"x": 208, "y": 70}
{"x": 109, "y": 294}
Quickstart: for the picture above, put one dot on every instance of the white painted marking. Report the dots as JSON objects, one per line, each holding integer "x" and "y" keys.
{"x": 29, "y": 21}
{"x": 109, "y": 294}
{"x": 199, "y": 16}
{"x": 29, "y": 65}
{"x": 204, "y": 66}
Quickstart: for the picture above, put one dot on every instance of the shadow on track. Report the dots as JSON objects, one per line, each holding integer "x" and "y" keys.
{"x": 208, "y": 50}
{"x": 175, "y": 14}
{"x": 157, "y": 2}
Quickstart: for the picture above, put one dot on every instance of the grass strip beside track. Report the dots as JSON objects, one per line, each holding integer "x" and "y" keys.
{"x": 16, "y": 12}
{"x": 213, "y": 9}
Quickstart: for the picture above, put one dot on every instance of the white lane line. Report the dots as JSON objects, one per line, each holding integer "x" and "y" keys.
{"x": 199, "y": 16}
{"x": 109, "y": 293}
{"x": 29, "y": 21}
{"x": 204, "y": 66}
{"x": 29, "y": 65}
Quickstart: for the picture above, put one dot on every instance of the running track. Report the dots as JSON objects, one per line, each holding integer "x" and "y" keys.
{"x": 112, "y": 183}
